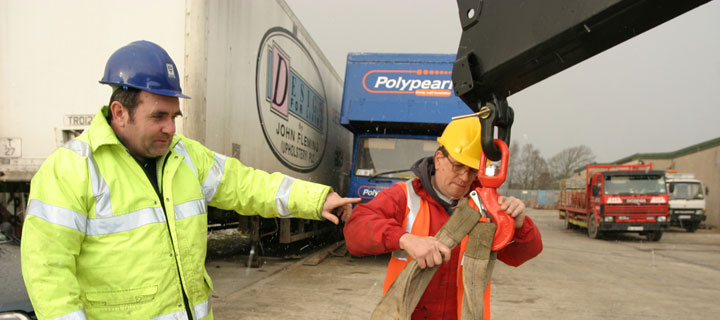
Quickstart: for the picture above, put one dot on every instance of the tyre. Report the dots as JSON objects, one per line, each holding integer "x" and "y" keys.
{"x": 691, "y": 227}
{"x": 592, "y": 228}
{"x": 568, "y": 225}
{"x": 654, "y": 235}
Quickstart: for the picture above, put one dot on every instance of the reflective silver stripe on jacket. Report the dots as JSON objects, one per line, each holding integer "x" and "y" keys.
{"x": 57, "y": 215}
{"x": 400, "y": 255}
{"x": 212, "y": 181}
{"x": 94, "y": 227}
{"x": 180, "y": 148}
{"x": 179, "y": 315}
{"x": 190, "y": 208}
{"x": 101, "y": 191}
{"x": 413, "y": 204}
{"x": 202, "y": 309}
{"x": 75, "y": 315}
{"x": 282, "y": 197}
{"x": 125, "y": 222}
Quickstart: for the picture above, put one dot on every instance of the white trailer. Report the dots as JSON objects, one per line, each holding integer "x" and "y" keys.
{"x": 262, "y": 91}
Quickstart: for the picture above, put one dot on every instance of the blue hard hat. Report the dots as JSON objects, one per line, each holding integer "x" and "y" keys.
{"x": 146, "y": 66}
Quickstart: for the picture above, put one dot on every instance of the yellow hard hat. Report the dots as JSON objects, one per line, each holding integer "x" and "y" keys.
{"x": 461, "y": 139}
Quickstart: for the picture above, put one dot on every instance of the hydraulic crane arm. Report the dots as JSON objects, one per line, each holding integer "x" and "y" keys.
{"x": 509, "y": 45}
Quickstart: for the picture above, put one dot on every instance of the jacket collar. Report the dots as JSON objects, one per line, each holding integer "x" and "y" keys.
{"x": 424, "y": 169}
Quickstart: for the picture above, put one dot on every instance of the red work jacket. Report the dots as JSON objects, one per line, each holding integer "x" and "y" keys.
{"x": 376, "y": 227}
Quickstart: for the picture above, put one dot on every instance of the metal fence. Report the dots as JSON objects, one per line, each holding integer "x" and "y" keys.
{"x": 539, "y": 199}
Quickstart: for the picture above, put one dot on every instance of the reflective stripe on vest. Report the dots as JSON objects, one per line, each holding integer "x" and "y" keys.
{"x": 212, "y": 181}
{"x": 413, "y": 207}
{"x": 75, "y": 315}
{"x": 100, "y": 189}
{"x": 106, "y": 223}
{"x": 179, "y": 315}
{"x": 417, "y": 222}
{"x": 56, "y": 215}
{"x": 282, "y": 197}
{"x": 180, "y": 148}
{"x": 190, "y": 208}
{"x": 202, "y": 309}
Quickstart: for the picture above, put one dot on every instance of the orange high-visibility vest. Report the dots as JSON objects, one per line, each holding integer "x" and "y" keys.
{"x": 417, "y": 222}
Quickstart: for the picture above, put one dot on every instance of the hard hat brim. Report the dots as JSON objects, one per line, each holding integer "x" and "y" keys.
{"x": 169, "y": 93}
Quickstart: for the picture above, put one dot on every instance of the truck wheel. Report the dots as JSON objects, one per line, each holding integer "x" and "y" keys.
{"x": 691, "y": 227}
{"x": 568, "y": 225}
{"x": 592, "y": 228}
{"x": 654, "y": 235}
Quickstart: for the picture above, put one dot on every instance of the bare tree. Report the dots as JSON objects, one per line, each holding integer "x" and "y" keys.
{"x": 513, "y": 165}
{"x": 565, "y": 162}
{"x": 546, "y": 181}
{"x": 530, "y": 169}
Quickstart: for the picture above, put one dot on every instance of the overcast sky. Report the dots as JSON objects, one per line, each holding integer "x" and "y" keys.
{"x": 657, "y": 92}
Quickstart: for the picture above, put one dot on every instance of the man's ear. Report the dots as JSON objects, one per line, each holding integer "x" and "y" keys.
{"x": 119, "y": 113}
{"x": 436, "y": 158}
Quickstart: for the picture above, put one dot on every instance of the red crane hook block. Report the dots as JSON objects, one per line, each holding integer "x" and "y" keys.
{"x": 489, "y": 197}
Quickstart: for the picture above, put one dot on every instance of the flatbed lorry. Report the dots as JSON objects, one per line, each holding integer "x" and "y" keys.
{"x": 616, "y": 198}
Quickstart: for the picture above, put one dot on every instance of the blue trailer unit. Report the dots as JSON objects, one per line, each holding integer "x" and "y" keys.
{"x": 396, "y": 105}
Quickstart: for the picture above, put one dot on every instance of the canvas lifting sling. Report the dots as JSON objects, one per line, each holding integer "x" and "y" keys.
{"x": 405, "y": 293}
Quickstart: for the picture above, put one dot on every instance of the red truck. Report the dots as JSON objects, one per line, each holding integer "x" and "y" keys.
{"x": 616, "y": 198}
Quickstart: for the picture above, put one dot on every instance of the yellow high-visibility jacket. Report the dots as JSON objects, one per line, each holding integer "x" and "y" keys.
{"x": 97, "y": 243}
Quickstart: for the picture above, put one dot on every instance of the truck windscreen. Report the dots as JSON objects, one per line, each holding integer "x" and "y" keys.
{"x": 685, "y": 190}
{"x": 391, "y": 157}
{"x": 634, "y": 185}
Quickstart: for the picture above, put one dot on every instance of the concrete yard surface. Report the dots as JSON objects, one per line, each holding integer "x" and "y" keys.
{"x": 621, "y": 277}
{"x": 338, "y": 288}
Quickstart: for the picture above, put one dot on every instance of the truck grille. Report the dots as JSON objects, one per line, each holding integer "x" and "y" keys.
{"x": 685, "y": 211}
{"x": 645, "y": 209}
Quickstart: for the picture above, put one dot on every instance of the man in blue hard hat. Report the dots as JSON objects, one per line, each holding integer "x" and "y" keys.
{"x": 116, "y": 223}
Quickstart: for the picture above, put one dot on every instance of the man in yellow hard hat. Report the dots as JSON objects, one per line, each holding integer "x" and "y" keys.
{"x": 394, "y": 221}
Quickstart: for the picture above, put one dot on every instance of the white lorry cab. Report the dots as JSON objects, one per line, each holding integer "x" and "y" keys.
{"x": 686, "y": 200}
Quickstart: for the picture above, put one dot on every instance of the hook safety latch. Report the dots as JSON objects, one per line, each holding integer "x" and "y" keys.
{"x": 478, "y": 204}
{"x": 485, "y": 200}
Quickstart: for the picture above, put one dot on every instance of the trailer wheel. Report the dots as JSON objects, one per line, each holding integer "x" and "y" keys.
{"x": 654, "y": 235}
{"x": 592, "y": 228}
{"x": 691, "y": 227}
